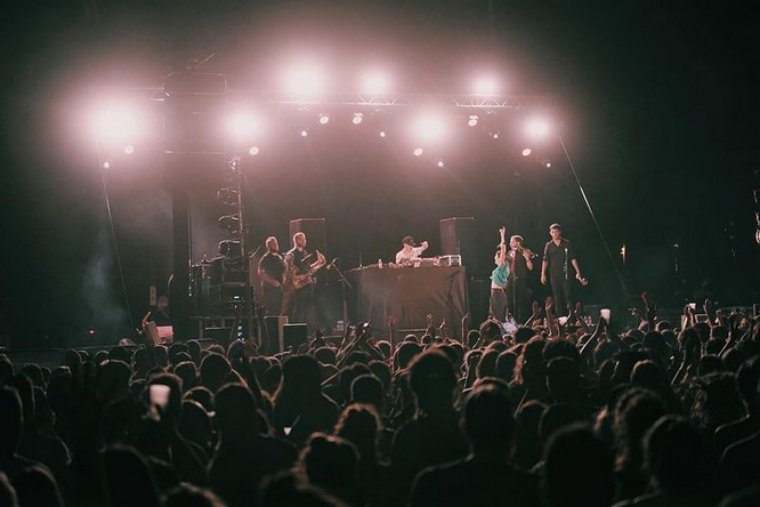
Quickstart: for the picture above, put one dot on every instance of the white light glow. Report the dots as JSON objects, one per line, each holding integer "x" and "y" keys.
{"x": 357, "y": 119}
{"x": 243, "y": 126}
{"x": 305, "y": 81}
{"x": 383, "y": 134}
{"x": 429, "y": 128}
{"x": 116, "y": 122}
{"x": 304, "y": 133}
{"x": 526, "y": 152}
{"x": 129, "y": 149}
{"x": 417, "y": 152}
{"x": 375, "y": 84}
{"x": 324, "y": 119}
{"x": 472, "y": 121}
{"x": 106, "y": 165}
{"x": 486, "y": 85}
{"x": 537, "y": 128}
{"x": 253, "y": 151}
{"x": 441, "y": 164}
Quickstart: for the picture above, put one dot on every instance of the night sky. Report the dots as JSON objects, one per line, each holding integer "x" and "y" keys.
{"x": 656, "y": 102}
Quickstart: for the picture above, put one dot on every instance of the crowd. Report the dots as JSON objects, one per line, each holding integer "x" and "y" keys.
{"x": 558, "y": 415}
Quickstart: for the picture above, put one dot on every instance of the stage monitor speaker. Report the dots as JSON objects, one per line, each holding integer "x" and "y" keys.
{"x": 275, "y": 325}
{"x": 458, "y": 238}
{"x": 294, "y": 335}
{"x": 315, "y": 230}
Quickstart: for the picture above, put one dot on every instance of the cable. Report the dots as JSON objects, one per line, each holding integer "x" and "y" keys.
{"x": 113, "y": 240}
{"x": 593, "y": 217}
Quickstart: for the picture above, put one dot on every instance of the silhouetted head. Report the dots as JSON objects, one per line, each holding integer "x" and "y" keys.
{"x": 432, "y": 381}
{"x": 488, "y": 421}
{"x": 578, "y": 470}
{"x": 35, "y": 485}
{"x": 330, "y": 463}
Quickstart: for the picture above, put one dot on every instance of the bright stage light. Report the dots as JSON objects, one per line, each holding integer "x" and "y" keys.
{"x": 495, "y": 135}
{"x": 253, "y": 151}
{"x": 418, "y": 152}
{"x": 305, "y": 81}
{"x": 537, "y": 128}
{"x": 383, "y": 134}
{"x": 473, "y": 120}
{"x": 429, "y": 128}
{"x": 357, "y": 119}
{"x": 106, "y": 165}
{"x": 526, "y": 152}
{"x": 116, "y": 122}
{"x": 441, "y": 164}
{"x": 324, "y": 119}
{"x": 243, "y": 126}
{"x": 548, "y": 164}
{"x": 129, "y": 149}
{"x": 304, "y": 133}
{"x": 486, "y": 85}
{"x": 375, "y": 84}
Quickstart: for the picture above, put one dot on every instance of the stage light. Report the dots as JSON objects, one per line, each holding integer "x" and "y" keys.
{"x": 548, "y": 164}
{"x": 305, "y": 81}
{"x": 129, "y": 149}
{"x": 383, "y": 134}
{"x": 324, "y": 119}
{"x": 253, "y": 151}
{"x": 429, "y": 128}
{"x": 116, "y": 122}
{"x": 526, "y": 152}
{"x": 473, "y": 120}
{"x": 375, "y": 84}
{"x": 537, "y": 128}
{"x": 106, "y": 165}
{"x": 486, "y": 85}
{"x": 243, "y": 126}
{"x": 357, "y": 119}
{"x": 418, "y": 152}
{"x": 495, "y": 135}
{"x": 441, "y": 164}
{"x": 304, "y": 133}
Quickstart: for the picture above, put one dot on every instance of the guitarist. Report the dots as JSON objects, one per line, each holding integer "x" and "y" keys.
{"x": 298, "y": 281}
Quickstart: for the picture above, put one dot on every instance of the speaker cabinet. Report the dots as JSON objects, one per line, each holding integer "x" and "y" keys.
{"x": 458, "y": 238}
{"x": 315, "y": 230}
{"x": 274, "y": 333}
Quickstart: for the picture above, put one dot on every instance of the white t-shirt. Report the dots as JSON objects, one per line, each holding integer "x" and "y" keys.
{"x": 403, "y": 255}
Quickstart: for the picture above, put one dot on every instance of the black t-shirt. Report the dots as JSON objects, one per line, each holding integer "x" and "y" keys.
{"x": 518, "y": 266}
{"x": 272, "y": 264}
{"x": 559, "y": 258}
{"x": 301, "y": 260}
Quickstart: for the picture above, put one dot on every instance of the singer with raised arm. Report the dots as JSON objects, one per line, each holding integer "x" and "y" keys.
{"x": 298, "y": 282}
{"x": 499, "y": 278}
{"x": 559, "y": 255}
{"x": 410, "y": 251}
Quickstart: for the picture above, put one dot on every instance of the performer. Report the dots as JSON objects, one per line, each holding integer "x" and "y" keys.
{"x": 410, "y": 251}
{"x": 298, "y": 281}
{"x": 520, "y": 261}
{"x": 558, "y": 255}
{"x": 271, "y": 271}
{"x": 499, "y": 277}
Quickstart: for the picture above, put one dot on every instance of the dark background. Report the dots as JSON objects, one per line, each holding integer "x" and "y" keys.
{"x": 657, "y": 105}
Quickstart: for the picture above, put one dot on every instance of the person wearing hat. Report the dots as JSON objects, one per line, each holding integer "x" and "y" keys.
{"x": 410, "y": 251}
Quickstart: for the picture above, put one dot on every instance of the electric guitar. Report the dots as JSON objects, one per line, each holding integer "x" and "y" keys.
{"x": 296, "y": 281}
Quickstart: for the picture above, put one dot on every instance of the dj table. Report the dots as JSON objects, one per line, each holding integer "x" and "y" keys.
{"x": 408, "y": 294}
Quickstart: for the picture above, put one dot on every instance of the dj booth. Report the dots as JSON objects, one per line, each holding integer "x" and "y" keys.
{"x": 408, "y": 294}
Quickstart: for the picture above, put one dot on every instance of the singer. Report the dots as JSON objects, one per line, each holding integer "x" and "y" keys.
{"x": 520, "y": 260}
{"x": 558, "y": 256}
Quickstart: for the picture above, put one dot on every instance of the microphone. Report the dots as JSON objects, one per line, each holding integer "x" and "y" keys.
{"x": 332, "y": 264}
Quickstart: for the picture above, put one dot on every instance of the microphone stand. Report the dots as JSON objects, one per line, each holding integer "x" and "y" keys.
{"x": 343, "y": 284}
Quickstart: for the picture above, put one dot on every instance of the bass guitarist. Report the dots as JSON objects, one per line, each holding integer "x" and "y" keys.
{"x": 298, "y": 282}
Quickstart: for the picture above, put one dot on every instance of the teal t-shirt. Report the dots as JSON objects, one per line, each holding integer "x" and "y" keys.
{"x": 499, "y": 275}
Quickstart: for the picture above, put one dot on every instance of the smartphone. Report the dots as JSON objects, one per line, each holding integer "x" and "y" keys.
{"x": 159, "y": 395}
{"x": 605, "y": 313}
{"x": 287, "y": 430}
{"x": 701, "y": 317}
{"x": 693, "y": 306}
